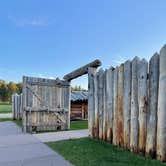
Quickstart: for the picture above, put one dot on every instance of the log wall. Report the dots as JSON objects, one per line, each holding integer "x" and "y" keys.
{"x": 127, "y": 105}
{"x": 79, "y": 111}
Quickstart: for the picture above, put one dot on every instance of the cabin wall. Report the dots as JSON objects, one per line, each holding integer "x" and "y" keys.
{"x": 79, "y": 110}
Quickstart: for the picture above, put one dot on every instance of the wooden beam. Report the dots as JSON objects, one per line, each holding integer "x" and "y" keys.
{"x": 82, "y": 70}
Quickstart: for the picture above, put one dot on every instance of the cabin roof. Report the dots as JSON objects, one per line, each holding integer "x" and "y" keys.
{"x": 79, "y": 96}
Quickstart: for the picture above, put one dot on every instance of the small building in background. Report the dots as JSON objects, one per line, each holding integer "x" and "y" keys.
{"x": 79, "y": 105}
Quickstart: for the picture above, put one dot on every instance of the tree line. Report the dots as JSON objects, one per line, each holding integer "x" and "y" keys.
{"x": 7, "y": 89}
{"x": 77, "y": 88}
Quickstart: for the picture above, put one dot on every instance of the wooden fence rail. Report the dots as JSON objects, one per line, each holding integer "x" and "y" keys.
{"x": 127, "y": 105}
{"x": 17, "y": 106}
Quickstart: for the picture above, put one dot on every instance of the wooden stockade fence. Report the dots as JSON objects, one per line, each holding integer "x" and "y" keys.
{"x": 127, "y": 105}
{"x": 17, "y": 106}
{"x": 46, "y": 104}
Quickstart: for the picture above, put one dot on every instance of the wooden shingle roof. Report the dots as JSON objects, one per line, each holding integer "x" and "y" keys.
{"x": 79, "y": 96}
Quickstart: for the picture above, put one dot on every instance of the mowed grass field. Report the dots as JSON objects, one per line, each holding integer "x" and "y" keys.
{"x": 5, "y": 107}
{"x": 92, "y": 152}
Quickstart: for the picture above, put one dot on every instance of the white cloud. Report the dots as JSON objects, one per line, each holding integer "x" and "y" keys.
{"x": 38, "y": 21}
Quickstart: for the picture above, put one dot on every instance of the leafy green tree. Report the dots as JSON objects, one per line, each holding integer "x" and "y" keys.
{"x": 3, "y": 90}
{"x": 19, "y": 87}
{"x": 12, "y": 88}
{"x": 77, "y": 88}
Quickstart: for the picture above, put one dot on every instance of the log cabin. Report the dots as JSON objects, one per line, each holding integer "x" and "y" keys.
{"x": 79, "y": 105}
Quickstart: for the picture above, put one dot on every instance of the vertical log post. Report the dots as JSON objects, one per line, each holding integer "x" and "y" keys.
{"x": 105, "y": 111}
{"x": 96, "y": 106}
{"x": 120, "y": 105}
{"x": 100, "y": 101}
{"x": 127, "y": 103}
{"x": 143, "y": 101}
{"x": 115, "y": 106}
{"x": 161, "y": 125}
{"x": 24, "y": 118}
{"x": 134, "y": 106}
{"x": 109, "y": 103}
{"x": 69, "y": 104}
{"x": 13, "y": 111}
{"x": 91, "y": 103}
{"x": 153, "y": 103}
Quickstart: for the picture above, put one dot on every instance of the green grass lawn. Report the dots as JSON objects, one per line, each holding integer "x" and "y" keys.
{"x": 78, "y": 125}
{"x": 18, "y": 122}
{"x": 5, "y": 107}
{"x": 5, "y": 119}
{"x": 91, "y": 152}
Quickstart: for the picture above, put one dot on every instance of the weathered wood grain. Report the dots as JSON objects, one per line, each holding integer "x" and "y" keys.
{"x": 82, "y": 70}
{"x": 109, "y": 103}
{"x": 91, "y": 104}
{"x": 142, "y": 102}
{"x": 153, "y": 104}
{"x": 127, "y": 103}
{"x": 120, "y": 138}
{"x": 100, "y": 101}
{"x": 42, "y": 99}
{"x": 115, "y": 106}
{"x": 161, "y": 125}
{"x": 134, "y": 127}
{"x": 96, "y": 89}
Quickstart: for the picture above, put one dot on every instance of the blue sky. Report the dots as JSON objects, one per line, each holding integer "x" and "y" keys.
{"x": 51, "y": 38}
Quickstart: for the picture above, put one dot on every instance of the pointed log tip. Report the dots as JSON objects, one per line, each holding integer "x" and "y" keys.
{"x": 116, "y": 68}
{"x": 58, "y": 81}
{"x": 111, "y": 68}
{"x": 101, "y": 70}
{"x": 155, "y": 55}
{"x": 121, "y": 65}
{"x": 127, "y": 61}
{"x": 136, "y": 58}
{"x": 163, "y": 50}
{"x": 144, "y": 60}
